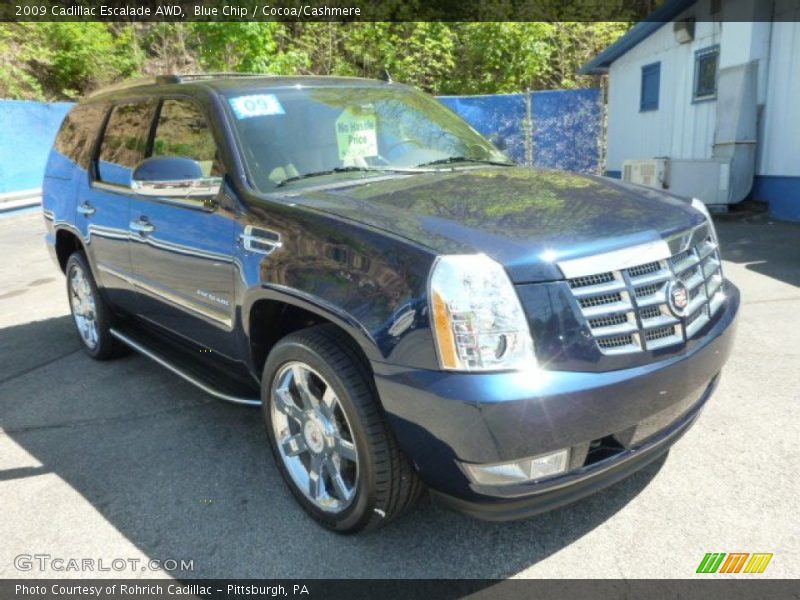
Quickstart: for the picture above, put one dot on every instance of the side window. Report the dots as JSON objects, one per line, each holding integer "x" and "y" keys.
{"x": 78, "y": 132}
{"x": 183, "y": 130}
{"x": 124, "y": 142}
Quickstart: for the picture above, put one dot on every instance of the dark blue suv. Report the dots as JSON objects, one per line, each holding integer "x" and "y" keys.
{"x": 407, "y": 305}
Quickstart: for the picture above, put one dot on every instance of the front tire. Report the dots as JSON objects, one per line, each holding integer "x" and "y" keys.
{"x": 90, "y": 312}
{"x": 329, "y": 437}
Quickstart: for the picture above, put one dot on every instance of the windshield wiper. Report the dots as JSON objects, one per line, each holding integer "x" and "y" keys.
{"x": 320, "y": 174}
{"x": 467, "y": 159}
{"x": 350, "y": 170}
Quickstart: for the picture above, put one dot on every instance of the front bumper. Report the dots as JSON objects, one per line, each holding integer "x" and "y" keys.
{"x": 444, "y": 419}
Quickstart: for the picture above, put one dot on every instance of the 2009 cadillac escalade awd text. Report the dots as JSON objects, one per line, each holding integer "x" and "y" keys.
{"x": 408, "y": 306}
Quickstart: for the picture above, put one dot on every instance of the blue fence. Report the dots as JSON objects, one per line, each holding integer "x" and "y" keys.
{"x": 567, "y": 129}
{"x": 501, "y": 118}
{"x": 27, "y": 131}
{"x": 554, "y": 129}
{"x": 558, "y": 129}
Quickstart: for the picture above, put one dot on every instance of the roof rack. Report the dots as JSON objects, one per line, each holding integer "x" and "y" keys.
{"x": 124, "y": 85}
{"x": 167, "y": 79}
{"x": 179, "y": 78}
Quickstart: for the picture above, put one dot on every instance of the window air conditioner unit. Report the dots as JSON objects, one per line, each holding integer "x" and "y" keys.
{"x": 684, "y": 30}
{"x": 651, "y": 172}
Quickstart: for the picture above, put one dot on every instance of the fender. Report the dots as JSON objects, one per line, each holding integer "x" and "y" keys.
{"x": 316, "y": 306}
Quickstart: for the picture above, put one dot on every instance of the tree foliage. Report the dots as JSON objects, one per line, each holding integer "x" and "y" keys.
{"x": 57, "y": 61}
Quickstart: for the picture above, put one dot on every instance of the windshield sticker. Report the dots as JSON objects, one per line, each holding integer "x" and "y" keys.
{"x": 356, "y": 133}
{"x": 257, "y": 105}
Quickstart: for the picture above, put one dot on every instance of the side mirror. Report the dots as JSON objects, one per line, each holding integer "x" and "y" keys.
{"x": 173, "y": 177}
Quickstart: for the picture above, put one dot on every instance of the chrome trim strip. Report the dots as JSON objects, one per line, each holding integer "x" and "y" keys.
{"x": 114, "y": 273}
{"x": 204, "y": 204}
{"x": 171, "y": 298}
{"x": 632, "y": 256}
{"x": 152, "y": 240}
{"x": 688, "y": 239}
{"x": 616, "y": 260}
{"x": 184, "y": 303}
{"x": 110, "y": 187}
{"x": 179, "y": 190}
{"x": 182, "y": 374}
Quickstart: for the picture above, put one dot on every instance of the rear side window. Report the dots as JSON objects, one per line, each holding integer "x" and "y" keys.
{"x": 183, "y": 130}
{"x": 78, "y": 132}
{"x": 124, "y": 142}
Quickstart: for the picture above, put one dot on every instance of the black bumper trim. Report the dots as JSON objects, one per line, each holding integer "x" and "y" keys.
{"x": 572, "y": 487}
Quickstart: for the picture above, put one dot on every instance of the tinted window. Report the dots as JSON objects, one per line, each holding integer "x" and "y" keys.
{"x": 124, "y": 142}
{"x": 78, "y": 131}
{"x": 182, "y": 130}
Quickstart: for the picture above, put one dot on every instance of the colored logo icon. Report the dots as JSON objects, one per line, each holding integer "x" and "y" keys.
{"x": 736, "y": 562}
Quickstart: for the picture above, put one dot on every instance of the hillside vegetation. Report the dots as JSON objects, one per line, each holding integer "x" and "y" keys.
{"x": 59, "y": 61}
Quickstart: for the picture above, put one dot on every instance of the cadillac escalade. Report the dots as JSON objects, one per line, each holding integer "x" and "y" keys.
{"x": 410, "y": 308}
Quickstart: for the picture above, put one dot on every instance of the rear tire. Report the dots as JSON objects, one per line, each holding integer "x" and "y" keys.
{"x": 90, "y": 312}
{"x": 323, "y": 418}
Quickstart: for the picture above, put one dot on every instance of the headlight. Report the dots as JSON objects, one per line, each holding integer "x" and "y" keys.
{"x": 477, "y": 320}
{"x": 701, "y": 206}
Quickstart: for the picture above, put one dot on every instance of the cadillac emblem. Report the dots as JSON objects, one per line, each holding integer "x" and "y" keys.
{"x": 678, "y": 297}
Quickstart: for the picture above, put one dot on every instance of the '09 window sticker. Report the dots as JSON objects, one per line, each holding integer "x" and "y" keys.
{"x": 255, "y": 105}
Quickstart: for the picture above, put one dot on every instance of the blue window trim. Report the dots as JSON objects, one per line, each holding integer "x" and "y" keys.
{"x": 652, "y": 68}
{"x": 702, "y": 53}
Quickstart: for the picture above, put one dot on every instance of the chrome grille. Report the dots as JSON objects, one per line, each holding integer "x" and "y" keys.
{"x": 644, "y": 269}
{"x": 615, "y": 341}
{"x": 608, "y": 321}
{"x": 648, "y": 290}
{"x": 600, "y": 300}
{"x": 591, "y": 280}
{"x": 651, "y": 335}
{"x": 649, "y": 312}
{"x": 627, "y": 310}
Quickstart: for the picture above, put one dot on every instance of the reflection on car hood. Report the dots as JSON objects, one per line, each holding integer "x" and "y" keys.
{"x": 524, "y": 218}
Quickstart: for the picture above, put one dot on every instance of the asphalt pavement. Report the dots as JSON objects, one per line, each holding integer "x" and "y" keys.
{"x": 123, "y": 460}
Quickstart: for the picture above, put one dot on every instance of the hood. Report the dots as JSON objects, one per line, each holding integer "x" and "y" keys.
{"x": 524, "y": 218}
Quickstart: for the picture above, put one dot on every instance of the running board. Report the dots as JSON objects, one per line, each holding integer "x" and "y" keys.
{"x": 183, "y": 373}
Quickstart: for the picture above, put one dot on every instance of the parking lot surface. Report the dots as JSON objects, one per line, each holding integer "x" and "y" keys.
{"x": 123, "y": 460}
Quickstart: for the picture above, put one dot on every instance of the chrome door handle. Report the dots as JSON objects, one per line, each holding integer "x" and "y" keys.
{"x": 142, "y": 226}
{"x": 86, "y": 209}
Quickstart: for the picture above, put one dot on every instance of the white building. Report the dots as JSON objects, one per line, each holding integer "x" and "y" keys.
{"x": 711, "y": 89}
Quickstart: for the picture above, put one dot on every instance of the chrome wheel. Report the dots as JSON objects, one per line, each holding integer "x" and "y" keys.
{"x": 84, "y": 310}
{"x": 313, "y": 437}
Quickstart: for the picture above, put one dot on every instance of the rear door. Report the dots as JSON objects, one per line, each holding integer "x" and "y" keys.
{"x": 104, "y": 198}
{"x": 183, "y": 262}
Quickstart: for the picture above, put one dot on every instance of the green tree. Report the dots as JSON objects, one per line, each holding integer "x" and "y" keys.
{"x": 67, "y": 60}
{"x": 16, "y": 78}
{"x": 82, "y": 56}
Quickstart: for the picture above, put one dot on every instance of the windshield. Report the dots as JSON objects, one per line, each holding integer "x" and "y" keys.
{"x": 291, "y": 135}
